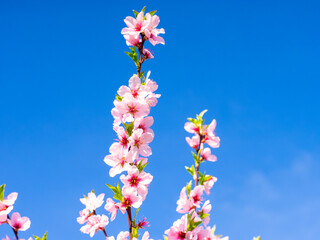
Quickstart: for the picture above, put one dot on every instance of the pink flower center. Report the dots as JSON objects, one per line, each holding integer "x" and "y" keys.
{"x": 134, "y": 181}
{"x": 182, "y": 235}
{"x": 3, "y": 207}
{"x": 127, "y": 202}
{"x": 17, "y": 225}
{"x": 138, "y": 27}
{"x": 124, "y": 141}
{"x": 122, "y": 161}
{"x": 132, "y": 109}
{"x": 137, "y": 143}
{"x": 134, "y": 93}
{"x": 196, "y": 198}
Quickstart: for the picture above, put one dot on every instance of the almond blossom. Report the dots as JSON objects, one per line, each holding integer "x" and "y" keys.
{"x": 139, "y": 142}
{"x": 19, "y": 223}
{"x": 123, "y": 235}
{"x": 206, "y": 155}
{"x": 119, "y": 161}
{"x": 92, "y": 202}
{"x": 6, "y": 205}
{"x": 112, "y": 208}
{"x": 130, "y": 199}
{"x": 95, "y": 223}
{"x": 137, "y": 180}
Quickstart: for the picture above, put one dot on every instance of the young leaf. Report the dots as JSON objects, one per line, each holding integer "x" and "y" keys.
{"x": 133, "y": 55}
{"x": 118, "y": 98}
{"x": 257, "y": 238}
{"x": 152, "y": 12}
{"x": 2, "y": 192}
{"x": 135, "y": 13}
{"x": 188, "y": 187}
{"x": 143, "y": 9}
{"x": 141, "y": 166}
{"x": 129, "y": 128}
{"x": 191, "y": 170}
{"x": 117, "y": 191}
{"x": 44, "y": 237}
{"x": 202, "y": 113}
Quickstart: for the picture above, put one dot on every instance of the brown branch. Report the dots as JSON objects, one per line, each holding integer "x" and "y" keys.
{"x": 196, "y": 180}
{"x": 129, "y": 221}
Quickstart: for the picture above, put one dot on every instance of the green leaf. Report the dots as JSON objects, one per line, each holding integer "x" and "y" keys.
{"x": 257, "y": 238}
{"x": 143, "y": 9}
{"x": 2, "y": 191}
{"x": 188, "y": 187}
{"x": 135, "y": 216}
{"x": 165, "y": 237}
{"x": 135, "y": 232}
{"x": 191, "y": 170}
{"x": 152, "y": 12}
{"x": 43, "y": 238}
{"x": 202, "y": 113}
{"x": 141, "y": 166}
{"x": 204, "y": 215}
{"x": 129, "y": 128}
{"x": 194, "y": 121}
{"x": 117, "y": 191}
{"x": 133, "y": 55}
{"x": 135, "y": 13}
{"x": 118, "y": 98}
{"x": 196, "y": 157}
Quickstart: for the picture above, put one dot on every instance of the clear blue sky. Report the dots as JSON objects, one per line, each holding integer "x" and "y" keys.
{"x": 253, "y": 64}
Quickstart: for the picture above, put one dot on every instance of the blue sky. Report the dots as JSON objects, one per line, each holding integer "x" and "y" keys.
{"x": 253, "y": 64}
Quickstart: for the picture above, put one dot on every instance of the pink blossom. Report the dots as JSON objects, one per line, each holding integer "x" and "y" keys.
{"x": 119, "y": 161}
{"x": 19, "y": 223}
{"x": 152, "y": 32}
{"x": 137, "y": 180}
{"x": 6, "y": 205}
{"x": 122, "y": 142}
{"x": 179, "y": 229}
{"x": 135, "y": 89}
{"x": 112, "y": 207}
{"x": 92, "y": 202}
{"x": 146, "y": 52}
{"x": 130, "y": 199}
{"x": 144, "y": 124}
{"x": 84, "y": 215}
{"x": 134, "y": 25}
{"x": 184, "y": 203}
{"x": 132, "y": 40}
{"x": 95, "y": 223}
{"x": 209, "y": 183}
{"x": 206, "y": 208}
{"x": 3, "y": 218}
{"x": 150, "y": 86}
{"x": 206, "y": 154}
{"x": 191, "y": 128}
{"x": 195, "y": 195}
{"x": 130, "y": 108}
{"x": 152, "y": 99}
{"x": 144, "y": 237}
{"x": 123, "y": 235}
{"x": 139, "y": 142}
{"x": 210, "y": 137}
{"x": 194, "y": 142}
{"x": 143, "y": 223}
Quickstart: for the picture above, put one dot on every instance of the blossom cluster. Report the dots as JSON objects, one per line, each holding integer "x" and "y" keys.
{"x": 197, "y": 212}
{"x": 16, "y": 222}
{"x": 128, "y": 155}
{"x": 142, "y": 28}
